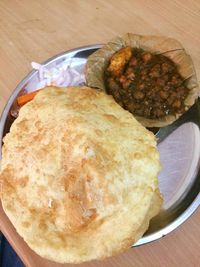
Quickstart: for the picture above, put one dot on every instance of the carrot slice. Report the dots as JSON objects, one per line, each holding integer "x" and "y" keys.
{"x": 23, "y": 99}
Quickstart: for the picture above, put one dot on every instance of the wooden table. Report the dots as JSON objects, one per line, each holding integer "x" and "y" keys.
{"x": 36, "y": 30}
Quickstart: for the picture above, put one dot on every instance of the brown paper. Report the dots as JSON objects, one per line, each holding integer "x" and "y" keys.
{"x": 171, "y": 48}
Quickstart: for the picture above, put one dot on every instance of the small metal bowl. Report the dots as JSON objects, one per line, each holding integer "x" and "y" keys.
{"x": 180, "y": 154}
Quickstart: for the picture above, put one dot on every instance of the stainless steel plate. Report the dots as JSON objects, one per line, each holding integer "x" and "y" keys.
{"x": 180, "y": 155}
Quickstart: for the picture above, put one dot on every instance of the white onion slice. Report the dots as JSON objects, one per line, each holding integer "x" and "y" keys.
{"x": 61, "y": 76}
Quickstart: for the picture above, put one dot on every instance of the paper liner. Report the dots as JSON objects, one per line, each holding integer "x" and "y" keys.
{"x": 169, "y": 47}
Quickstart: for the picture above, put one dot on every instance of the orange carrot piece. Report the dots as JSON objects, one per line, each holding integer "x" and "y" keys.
{"x": 23, "y": 99}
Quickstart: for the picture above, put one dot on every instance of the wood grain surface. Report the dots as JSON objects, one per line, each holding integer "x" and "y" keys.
{"x": 36, "y": 30}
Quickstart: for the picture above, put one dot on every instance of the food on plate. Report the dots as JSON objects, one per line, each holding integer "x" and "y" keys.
{"x": 61, "y": 75}
{"x": 79, "y": 175}
{"x": 153, "y": 77}
{"x": 147, "y": 85}
{"x": 23, "y": 99}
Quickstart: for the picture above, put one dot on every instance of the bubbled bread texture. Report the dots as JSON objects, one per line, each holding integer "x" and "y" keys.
{"x": 79, "y": 175}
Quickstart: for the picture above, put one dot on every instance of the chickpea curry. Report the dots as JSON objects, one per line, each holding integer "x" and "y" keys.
{"x": 145, "y": 84}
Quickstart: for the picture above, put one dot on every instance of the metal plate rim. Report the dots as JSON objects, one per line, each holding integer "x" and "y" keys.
{"x": 145, "y": 239}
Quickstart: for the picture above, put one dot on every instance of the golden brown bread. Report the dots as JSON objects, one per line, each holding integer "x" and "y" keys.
{"x": 79, "y": 175}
